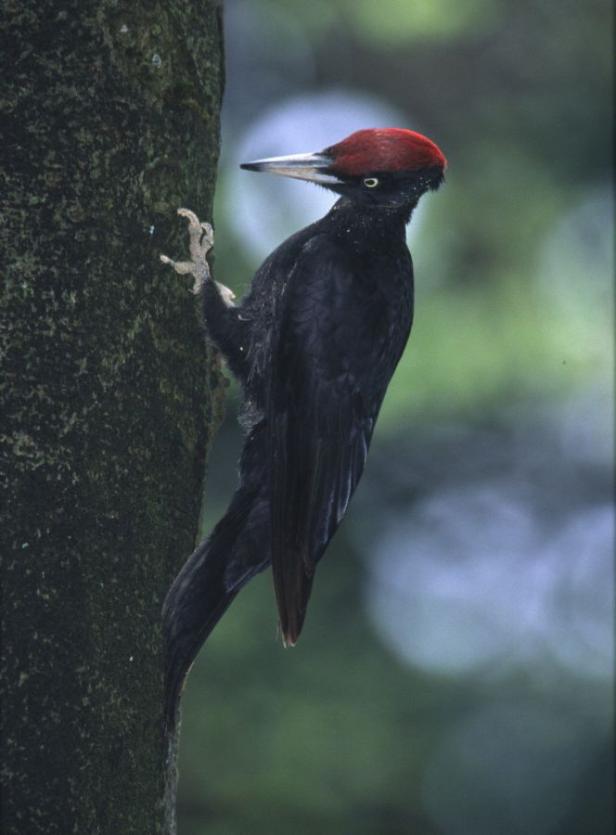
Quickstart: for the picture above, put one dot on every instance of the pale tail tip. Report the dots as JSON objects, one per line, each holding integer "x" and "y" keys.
{"x": 287, "y": 640}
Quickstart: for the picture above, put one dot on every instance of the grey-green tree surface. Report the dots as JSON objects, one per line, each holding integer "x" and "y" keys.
{"x": 108, "y": 396}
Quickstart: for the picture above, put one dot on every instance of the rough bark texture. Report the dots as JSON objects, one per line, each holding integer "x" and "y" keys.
{"x": 110, "y": 116}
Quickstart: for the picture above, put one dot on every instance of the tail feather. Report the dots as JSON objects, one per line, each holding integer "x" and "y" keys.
{"x": 236, "y": 550}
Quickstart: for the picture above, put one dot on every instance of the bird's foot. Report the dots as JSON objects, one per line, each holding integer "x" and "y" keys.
{"x": 201, "y": 237}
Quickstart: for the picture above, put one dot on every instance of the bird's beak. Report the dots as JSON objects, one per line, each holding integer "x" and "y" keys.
{"x": 312, "y": 167}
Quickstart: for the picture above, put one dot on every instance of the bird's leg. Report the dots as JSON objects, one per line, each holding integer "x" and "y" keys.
{"x": 201, "y": 236}
{"x": 225, "y": 324}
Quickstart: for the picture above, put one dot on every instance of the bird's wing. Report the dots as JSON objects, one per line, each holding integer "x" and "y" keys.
{"x": 321, "y": 412}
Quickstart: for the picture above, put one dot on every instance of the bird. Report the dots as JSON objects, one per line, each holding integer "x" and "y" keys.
{"x": 314, "y": 344}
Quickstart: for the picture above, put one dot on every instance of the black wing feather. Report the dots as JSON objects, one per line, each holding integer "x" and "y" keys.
{"x": 320, "y": 416}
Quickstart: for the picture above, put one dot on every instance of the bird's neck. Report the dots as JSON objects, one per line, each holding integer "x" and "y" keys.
{"x": 366, "y": 225}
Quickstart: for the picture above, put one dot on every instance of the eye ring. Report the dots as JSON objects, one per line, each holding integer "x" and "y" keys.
{"x": 371, "y": 182}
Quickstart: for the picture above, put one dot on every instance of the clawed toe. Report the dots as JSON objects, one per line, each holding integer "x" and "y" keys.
{"x": 201, "y": 236}
{"x": 227, "y": 295}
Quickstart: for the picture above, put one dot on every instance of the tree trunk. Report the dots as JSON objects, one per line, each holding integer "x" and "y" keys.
{"x": 108, "y": 396}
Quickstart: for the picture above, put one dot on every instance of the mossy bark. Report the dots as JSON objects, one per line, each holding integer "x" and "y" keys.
{"x": 108, "y": 396}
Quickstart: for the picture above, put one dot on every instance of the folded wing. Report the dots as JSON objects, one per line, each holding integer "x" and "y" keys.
{"x": 321, "y": 412}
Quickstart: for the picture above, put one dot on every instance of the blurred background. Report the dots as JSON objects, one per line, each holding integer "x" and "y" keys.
{"x": 455, "y": 673}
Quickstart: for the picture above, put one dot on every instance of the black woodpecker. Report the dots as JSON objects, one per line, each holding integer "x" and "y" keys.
{"x": 314, "y": 344}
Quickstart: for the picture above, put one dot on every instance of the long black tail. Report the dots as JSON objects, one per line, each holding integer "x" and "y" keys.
{"x": 236, "y": 550}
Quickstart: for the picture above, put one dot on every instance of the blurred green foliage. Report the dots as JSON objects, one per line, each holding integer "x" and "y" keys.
{"x": 397, "y": 21}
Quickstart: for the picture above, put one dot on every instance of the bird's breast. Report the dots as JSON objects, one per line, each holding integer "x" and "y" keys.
{"x": 364, "y": 316}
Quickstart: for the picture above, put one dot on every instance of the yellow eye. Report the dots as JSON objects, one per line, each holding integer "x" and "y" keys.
{"x": 371, "y": 182}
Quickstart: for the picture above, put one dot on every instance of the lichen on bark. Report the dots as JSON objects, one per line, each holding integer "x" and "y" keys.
{"x": 108, "y": 397}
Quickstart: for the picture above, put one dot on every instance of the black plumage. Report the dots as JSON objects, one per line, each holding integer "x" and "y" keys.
{"x": 314, "y": 344}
